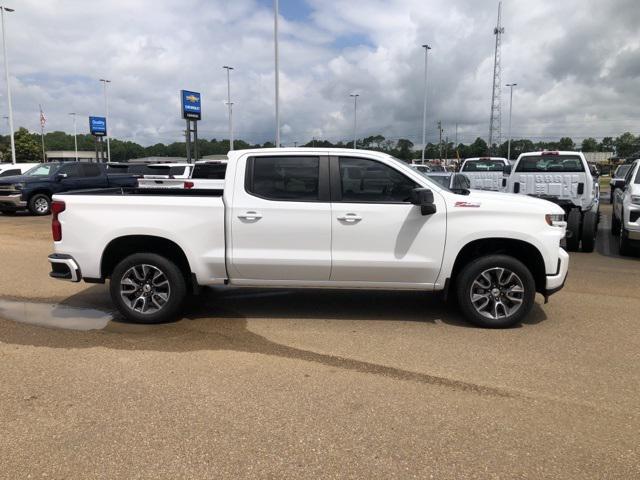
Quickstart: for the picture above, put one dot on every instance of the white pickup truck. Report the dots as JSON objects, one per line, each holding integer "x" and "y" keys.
{"x": 487, "y": 173}
{"x": 319, "y": 218}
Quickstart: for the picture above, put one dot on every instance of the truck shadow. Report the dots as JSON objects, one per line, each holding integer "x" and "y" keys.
{"x": 218, "y": 320}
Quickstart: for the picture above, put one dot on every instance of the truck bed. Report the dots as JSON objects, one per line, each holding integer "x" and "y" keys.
{"x": 120, "y": 191}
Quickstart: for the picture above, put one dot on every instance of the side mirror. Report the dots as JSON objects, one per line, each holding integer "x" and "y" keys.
{"x": 460, "y": 182}
{"x": 621, "y": 184}
{"x": 423, "y": 197}
{"x": 507, "y": 169}
{"x": 60, "y": 176}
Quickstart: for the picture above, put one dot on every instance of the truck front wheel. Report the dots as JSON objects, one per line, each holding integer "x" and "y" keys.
{"x": 40, "y": 204}
{"x": 574, "y": 219}
{"x": 496, "y": 291}
{"x": 148, "y": 288}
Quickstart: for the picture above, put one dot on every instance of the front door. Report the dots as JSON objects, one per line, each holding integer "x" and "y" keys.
{"x": 378, "y": 236}
{"x": 281, "y": 220}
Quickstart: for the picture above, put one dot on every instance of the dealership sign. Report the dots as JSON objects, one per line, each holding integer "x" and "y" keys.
{"x": 98, "y": 126}
{"x": 191, "y": 105}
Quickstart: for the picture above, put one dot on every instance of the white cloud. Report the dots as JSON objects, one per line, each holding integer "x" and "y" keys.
{"x": 577, "y": 72}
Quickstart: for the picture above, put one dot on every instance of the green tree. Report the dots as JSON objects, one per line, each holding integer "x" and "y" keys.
{"x": 27, "y": 149}
{"x": 478, "y": 148}
{"x": 589, "y": 145}
{"x": 626, "y": 144}
{"x": 566, "y": 143}
{"x": 606, "y": 145}
{"x": 404, "y": 147}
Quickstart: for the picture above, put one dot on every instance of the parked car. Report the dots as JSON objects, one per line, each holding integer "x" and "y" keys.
{"x": 287, "y": 219}
{"x": 617, "y": 179}
{"x": 626, "y": 210}
{"x": 11, "y": 169}
{"x": 566, "y": 179}
{"x": 487, "y": 173}
{"x": 204, "y": 174}
{"x": 33, "y": 190}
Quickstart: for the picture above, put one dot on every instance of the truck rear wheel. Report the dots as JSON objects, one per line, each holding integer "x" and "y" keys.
{"x": 40, "y": 204}
{"x": 148, "y": 288}
{"x": 625, "y": 245}
{"x": 615, "y": 225}
{"x": 589, "y": 231}
{"x": 496, "y": 291}
{"x": 573, "y": 229}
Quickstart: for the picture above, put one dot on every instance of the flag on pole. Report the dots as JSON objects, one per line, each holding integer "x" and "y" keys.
{"x": 43, "y": 119}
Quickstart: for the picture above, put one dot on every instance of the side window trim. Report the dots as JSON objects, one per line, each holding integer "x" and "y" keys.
{"x": 323, "y": 180}
{"x": 336, "y": 180}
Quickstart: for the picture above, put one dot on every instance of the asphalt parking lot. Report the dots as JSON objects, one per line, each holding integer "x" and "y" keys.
{"x": 318, "y": 384}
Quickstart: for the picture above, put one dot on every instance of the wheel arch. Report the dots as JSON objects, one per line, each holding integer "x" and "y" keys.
{"x": 121, "y": 247}
{"x": 521, "y": 250}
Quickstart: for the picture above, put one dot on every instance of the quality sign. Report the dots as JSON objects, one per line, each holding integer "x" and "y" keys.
{"x": 191, "y": 105}
{"x": 98, "y": 126}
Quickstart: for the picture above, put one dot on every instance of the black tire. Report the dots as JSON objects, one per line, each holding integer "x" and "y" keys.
{"x": 574, "y": 219}
{"x": 615, "y": 225}
{"x": 40, "y": 204}
{"x": 467, "y": 282}
{"x": 589, "y": 231}
{"x": 176, "y": 291}
{"x": 626, "y": 249}
{"x": 613, "y": 190}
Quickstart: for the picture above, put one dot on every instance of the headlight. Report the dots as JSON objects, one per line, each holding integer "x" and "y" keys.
{"x": 18, "y": 186}
{"x": 635, "y": 199}
{"x": 555, "y": 220}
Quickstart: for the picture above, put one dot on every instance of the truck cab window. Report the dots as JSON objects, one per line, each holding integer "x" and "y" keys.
{"x": 90, "y": 170}
{"x": 284, "y": 178}
{"x": 373, "y": 182}
{"x": 72, "y": 170}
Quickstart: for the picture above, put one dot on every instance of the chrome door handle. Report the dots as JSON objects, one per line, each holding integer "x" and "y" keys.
{"x": 350, "y": 217}
{"x": 250, "y": 215}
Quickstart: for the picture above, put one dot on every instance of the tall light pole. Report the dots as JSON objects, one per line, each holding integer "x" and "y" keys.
{"x": 355, "y": 116}
{"x": 510, "y": 85}
{"x": 277, "y": 66}
{"x": 230, "y": 105}
{"x": 424, "y": 107}
{"x": 6, "y": 72}
{"x": 75, "y": 134}
{"x": 106, "y": 115}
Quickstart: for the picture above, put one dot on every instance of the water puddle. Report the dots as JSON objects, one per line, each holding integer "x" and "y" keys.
{"x": 54, "y": 315}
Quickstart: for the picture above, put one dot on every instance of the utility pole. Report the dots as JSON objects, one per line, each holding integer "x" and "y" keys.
{"x": 75, "y": 134}
{"x": 277, "y": 68}
{"x": 230, "y": 105}
{"x": 495, "y": 123}
{"x": 510, "y": 85}
{"x": 6, "y": 72}
{"x": 355, "y": 116}
{"x": 106, "y": 116}
{"x": 440, "y": 141}
{"x": 424, "y": 105}
{"x": 42, "y": 122}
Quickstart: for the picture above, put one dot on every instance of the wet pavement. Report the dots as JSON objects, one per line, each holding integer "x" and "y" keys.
{"x": 317, "y": 384}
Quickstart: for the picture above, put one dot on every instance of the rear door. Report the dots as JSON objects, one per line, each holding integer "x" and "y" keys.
{"x": 81, "y": 175}
{"x": 379, "y": 237}
{"x": 280, "y": 220}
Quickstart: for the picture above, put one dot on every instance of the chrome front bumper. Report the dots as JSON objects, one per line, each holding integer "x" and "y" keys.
{"x": 14, "y": 200}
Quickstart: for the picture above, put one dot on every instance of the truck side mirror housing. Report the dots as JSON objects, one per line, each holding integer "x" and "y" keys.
{"x": 423, "y": 197}
{"x": 507, "y": 169}
{"x": 59, "y": 177}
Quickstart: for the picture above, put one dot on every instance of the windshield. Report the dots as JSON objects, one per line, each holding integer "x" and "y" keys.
{"x": 638, "y": 177}
{"x": 550, "y": 163}
{"x": 43, "y": 170}
{"x": 486, "y": 165}
{"x": 621, "y": 171}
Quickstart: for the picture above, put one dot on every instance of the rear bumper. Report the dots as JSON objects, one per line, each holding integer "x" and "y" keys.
{"x": 12, "y": 201}
{"x": 556, "y": 281}
{"x": 64, "y": 267}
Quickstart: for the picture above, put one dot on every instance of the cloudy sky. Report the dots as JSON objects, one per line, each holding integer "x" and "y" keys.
{"x": 576, "y": 62}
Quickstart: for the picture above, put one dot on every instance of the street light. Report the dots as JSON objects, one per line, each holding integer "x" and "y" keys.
{"x": 230, "y": 105}
{"x": 6, "y": 72}
{"x": 355, "y": 115}
{"x": 75, "y": 134}
{"x": 277, "y": 67}
{"x": 424, "y": 108}
{"x": 510, "y": 85}
{"x": 106, "y": 116}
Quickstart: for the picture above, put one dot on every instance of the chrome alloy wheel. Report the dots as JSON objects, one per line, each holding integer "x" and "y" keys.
{"x": 145, "y": 288}
{"x": 497, "y": 293}
{"x": 41, "y": 205}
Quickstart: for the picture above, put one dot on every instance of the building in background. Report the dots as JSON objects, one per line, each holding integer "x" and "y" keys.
{"x": 70, "y": 156}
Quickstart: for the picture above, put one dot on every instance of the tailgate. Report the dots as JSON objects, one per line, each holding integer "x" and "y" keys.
{"x": 564, "y": 186}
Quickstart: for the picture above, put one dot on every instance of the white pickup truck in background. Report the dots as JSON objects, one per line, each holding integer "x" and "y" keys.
{"x": 487, "y": 173}
{"x": 313, "y": 218}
